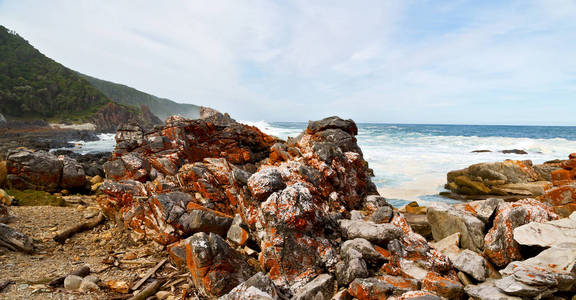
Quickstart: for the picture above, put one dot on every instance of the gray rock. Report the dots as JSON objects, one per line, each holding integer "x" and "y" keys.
{"x": 416, "y": 295}
{"x": 15, "y": 240}
{"x": 72, "y": 282}
{"x": 259, "y": 287}
{"x": 73, "y": 176}
{"x": 265, "y": 182}
{"x": 382, "y": 215}
{"x": 379, "y": 234}
{"x": 511, "y": 286}
{"x": 237, "y": 233}
{"x": 382, "y": 287}
{"x": 322, "y": 287}
{"x": 29, "y": 169}
{"x": 206, "y": 221}
{"x": 373, "y": 202}
{"x": 470, "y": 263}
{"x": 114, "y": 169}
{"x": 352, "y": 267}
{"x": 365, "y": 248}
{"x": 551, "y": 233}
{"x": 333, "y": 122}
{"x": 488, "y": 291}
{"x": 482, "y": 209}
{"x": 447, "y": 221}
{"x": 86, "y": 286}
{"x": 356, "y": 215}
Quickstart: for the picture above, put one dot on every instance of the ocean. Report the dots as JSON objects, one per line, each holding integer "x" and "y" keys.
{"x": 410, "y": 161}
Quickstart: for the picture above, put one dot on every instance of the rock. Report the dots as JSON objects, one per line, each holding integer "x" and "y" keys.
{"x": 15, "y": 240}
{"x": 96, "y": 179}
{"x": 373, "y": 202}
{"x": 351, "y": 267}
{"x": 118, "y": 286}
{"x": 356, "y": 215}
{"x": 481, "y": 151}
{"x": 342, "y": 295}
{"x": 499, "y": 244}
{"x": 365, "y": 248}
{"x": 322, "y": 287}
{"x": 414, "y": 208}
{"x": 379, "y": 234}
{"x": 447, "y": 221}
{"x": 443, "y": 286}
{"x": 72, "y": 282}
{"x": 416, "y": 295}
{"x": 554, "y": 269}
{"x": 468, "y": 186}
{"x": 514, "y": 151}
{"x": 215, "y": 267}
{"x": 381, "y": 287}
{"x": 91, "y": 278}
{"x": 5, "y": 216}
{"x": 162, "y": 295}
{"x": 482, "y": 209}
{"x": 5, "y": 199}
{"x": 382, "y": 215}
{"x": 73, "y": 176}
{"x": 204, "y": 220}
{"x": 548, "y": 234}
{"x": 449, "y": 245}
{"x": 559, "y": 195}
{"x": 420, "y": 225}
{"x": 332, "y": 123}
{"x": 87, "y": 286}
{"x": 237, "y": 234}
{"x": 265, "y": 182}
{"x": 532, "y": 189}
{"x": 488, "y": 291}
{"x": 470, "y": 263}
{"x": 258, "y": 286}
{"x": 29, "y": 169}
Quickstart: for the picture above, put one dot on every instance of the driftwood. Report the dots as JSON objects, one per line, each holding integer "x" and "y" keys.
{"x": 4, "y": 284}
{"x": 148, "y": 291}
{"x": 66, "y": 234}
{"x": 82, "y": 272}
{"x": 149, "y": 274}
{"x": 15, "y": 240}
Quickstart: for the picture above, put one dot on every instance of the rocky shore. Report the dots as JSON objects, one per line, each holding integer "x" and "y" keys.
{"x": 244, "y": 215}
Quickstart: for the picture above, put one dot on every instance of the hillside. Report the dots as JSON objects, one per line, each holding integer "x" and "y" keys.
{"x": 34, "y": 87}
{"x": 126, "y": 95}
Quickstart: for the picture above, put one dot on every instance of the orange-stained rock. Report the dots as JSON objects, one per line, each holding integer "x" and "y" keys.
{"x": 416, "y": 295}
{"x": 215, "y": 267}
{"x": 381, "y": 287}
{"x": 499, "y": 244}
{"x": 559, "y": 195}
{"x": 443, "y": 286}
{"x": 565, "y": 210}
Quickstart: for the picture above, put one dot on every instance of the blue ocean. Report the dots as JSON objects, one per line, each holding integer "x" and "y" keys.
{"x": 410, "y": 161}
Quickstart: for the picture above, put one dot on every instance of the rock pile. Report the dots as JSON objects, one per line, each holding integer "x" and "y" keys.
{"x": 252, "y": 216}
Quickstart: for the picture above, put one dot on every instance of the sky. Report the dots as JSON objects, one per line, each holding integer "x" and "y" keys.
{"x": 386, "y": 61}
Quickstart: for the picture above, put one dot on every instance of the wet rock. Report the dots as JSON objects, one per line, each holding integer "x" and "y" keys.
{"x": 379, "y": 234}
{"x": 29, "y": 169}
{"x": 547, "y": 234}
{"x": 488, "y": 291}
{"x": 258, "y": 286}
{"x": 446, "y": 221}
{"x": 322, "y": 287}
{"x": 499, "y": 244}
{"x": 381, "y": 287}
{"x": 514, "y": 151}
{"x": 72, "y": 282}
{"x": 215, "y": 267}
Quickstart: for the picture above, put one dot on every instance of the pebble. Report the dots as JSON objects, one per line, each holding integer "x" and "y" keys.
{"x": 86, "y": 286}
{"x": 23, "y": 287}
{"x": 72, "y": 282}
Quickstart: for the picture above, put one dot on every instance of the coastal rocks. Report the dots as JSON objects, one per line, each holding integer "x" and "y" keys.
{"x": 258, "y": 286}
{"x": 547, "y": 234}
{"x": 488, "y": 291}
{"x": 29, "y": 169}
{"x": 381, "y": 287}
{"x": 552, "y": 270}
{"x": 73, "y": 176}
{"x": 446, "y": 221}
{"x": 215, "y": 267}
{"x": 322, "y": 287}
{"x": 379, "y": 234}
{"x": 499, "y": 244}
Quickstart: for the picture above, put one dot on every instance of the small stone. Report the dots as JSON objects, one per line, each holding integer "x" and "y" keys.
{"x": 118, "y": 286}
{"x": 162, "y": 295}
{"x": 91, "y": 278}
{"x": 87, "y": 286}
{"x": 72, "y": 282}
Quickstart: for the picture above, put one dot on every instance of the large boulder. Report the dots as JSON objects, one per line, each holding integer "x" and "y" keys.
{"x": 379, "y": 234}
{"x": 28, "y": 169}
{"x": 446, "y": 221}
{"x": 73, "y": 176}
{"x": 547, "y": 234}
{"x": 499, "y": 244}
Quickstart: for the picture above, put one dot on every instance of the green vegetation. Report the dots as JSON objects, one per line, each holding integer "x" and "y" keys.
{"x": 126, "y": 95}
{"x": 35, "y": 198}
{"x": 34, "y": 86}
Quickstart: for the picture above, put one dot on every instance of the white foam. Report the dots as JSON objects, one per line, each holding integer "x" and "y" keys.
{"x": 267, "y": 128}
{"x": 105, "y": 143}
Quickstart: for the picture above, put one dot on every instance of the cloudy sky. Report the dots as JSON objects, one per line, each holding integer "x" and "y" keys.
{"x": 405, "y": 61}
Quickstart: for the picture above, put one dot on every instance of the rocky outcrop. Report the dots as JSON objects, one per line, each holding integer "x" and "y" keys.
{"x": 499, "y": 244}
{"x": 446, "y": 221}
{"x": 111, "y": 115}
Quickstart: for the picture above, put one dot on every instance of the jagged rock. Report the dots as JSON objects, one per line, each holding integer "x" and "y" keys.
{"x": 258, "y": 287}
{"x": 382, "y": 215}
{"x": 481, "y": 209}
{"x": 322, "y": 287}
{"x": 420, "y": 225}
{"x": 73, "y": 176}
{"x": 351, "y": 267}
{"x": 381, "y": 287}
{"x": 265, "y": 182}
{"x": 237, "y": 234}
{"x": 470, "y": 263}
{"x": 416, "y": 295}
{"x": 29, "y": 169}
{"x": 446, "y": 221}
{"x": 443, "y": 286}
{"x": 488, "y": 291}
{"x": 554, "y": 269}
{"x": 215, "y": 267}
{"x": 547, "y": 234}
{"x": 373, "y": 202}
{"x": 499, "y": 244}
{"x": 379, "y": 234}
{"x": 342, "y": 295}
{"x": 332, "y": 123}
{"x": 365, "y": 248}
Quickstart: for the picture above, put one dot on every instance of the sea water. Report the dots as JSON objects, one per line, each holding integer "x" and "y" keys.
{"x": 410, "y": 162}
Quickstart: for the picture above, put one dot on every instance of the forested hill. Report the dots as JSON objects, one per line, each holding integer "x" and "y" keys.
{"x": 129, "y": 96}
{"x": 34, "y": 86}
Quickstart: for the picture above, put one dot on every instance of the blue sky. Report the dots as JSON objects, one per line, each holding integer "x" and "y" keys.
{"x": 405, "y": 61}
